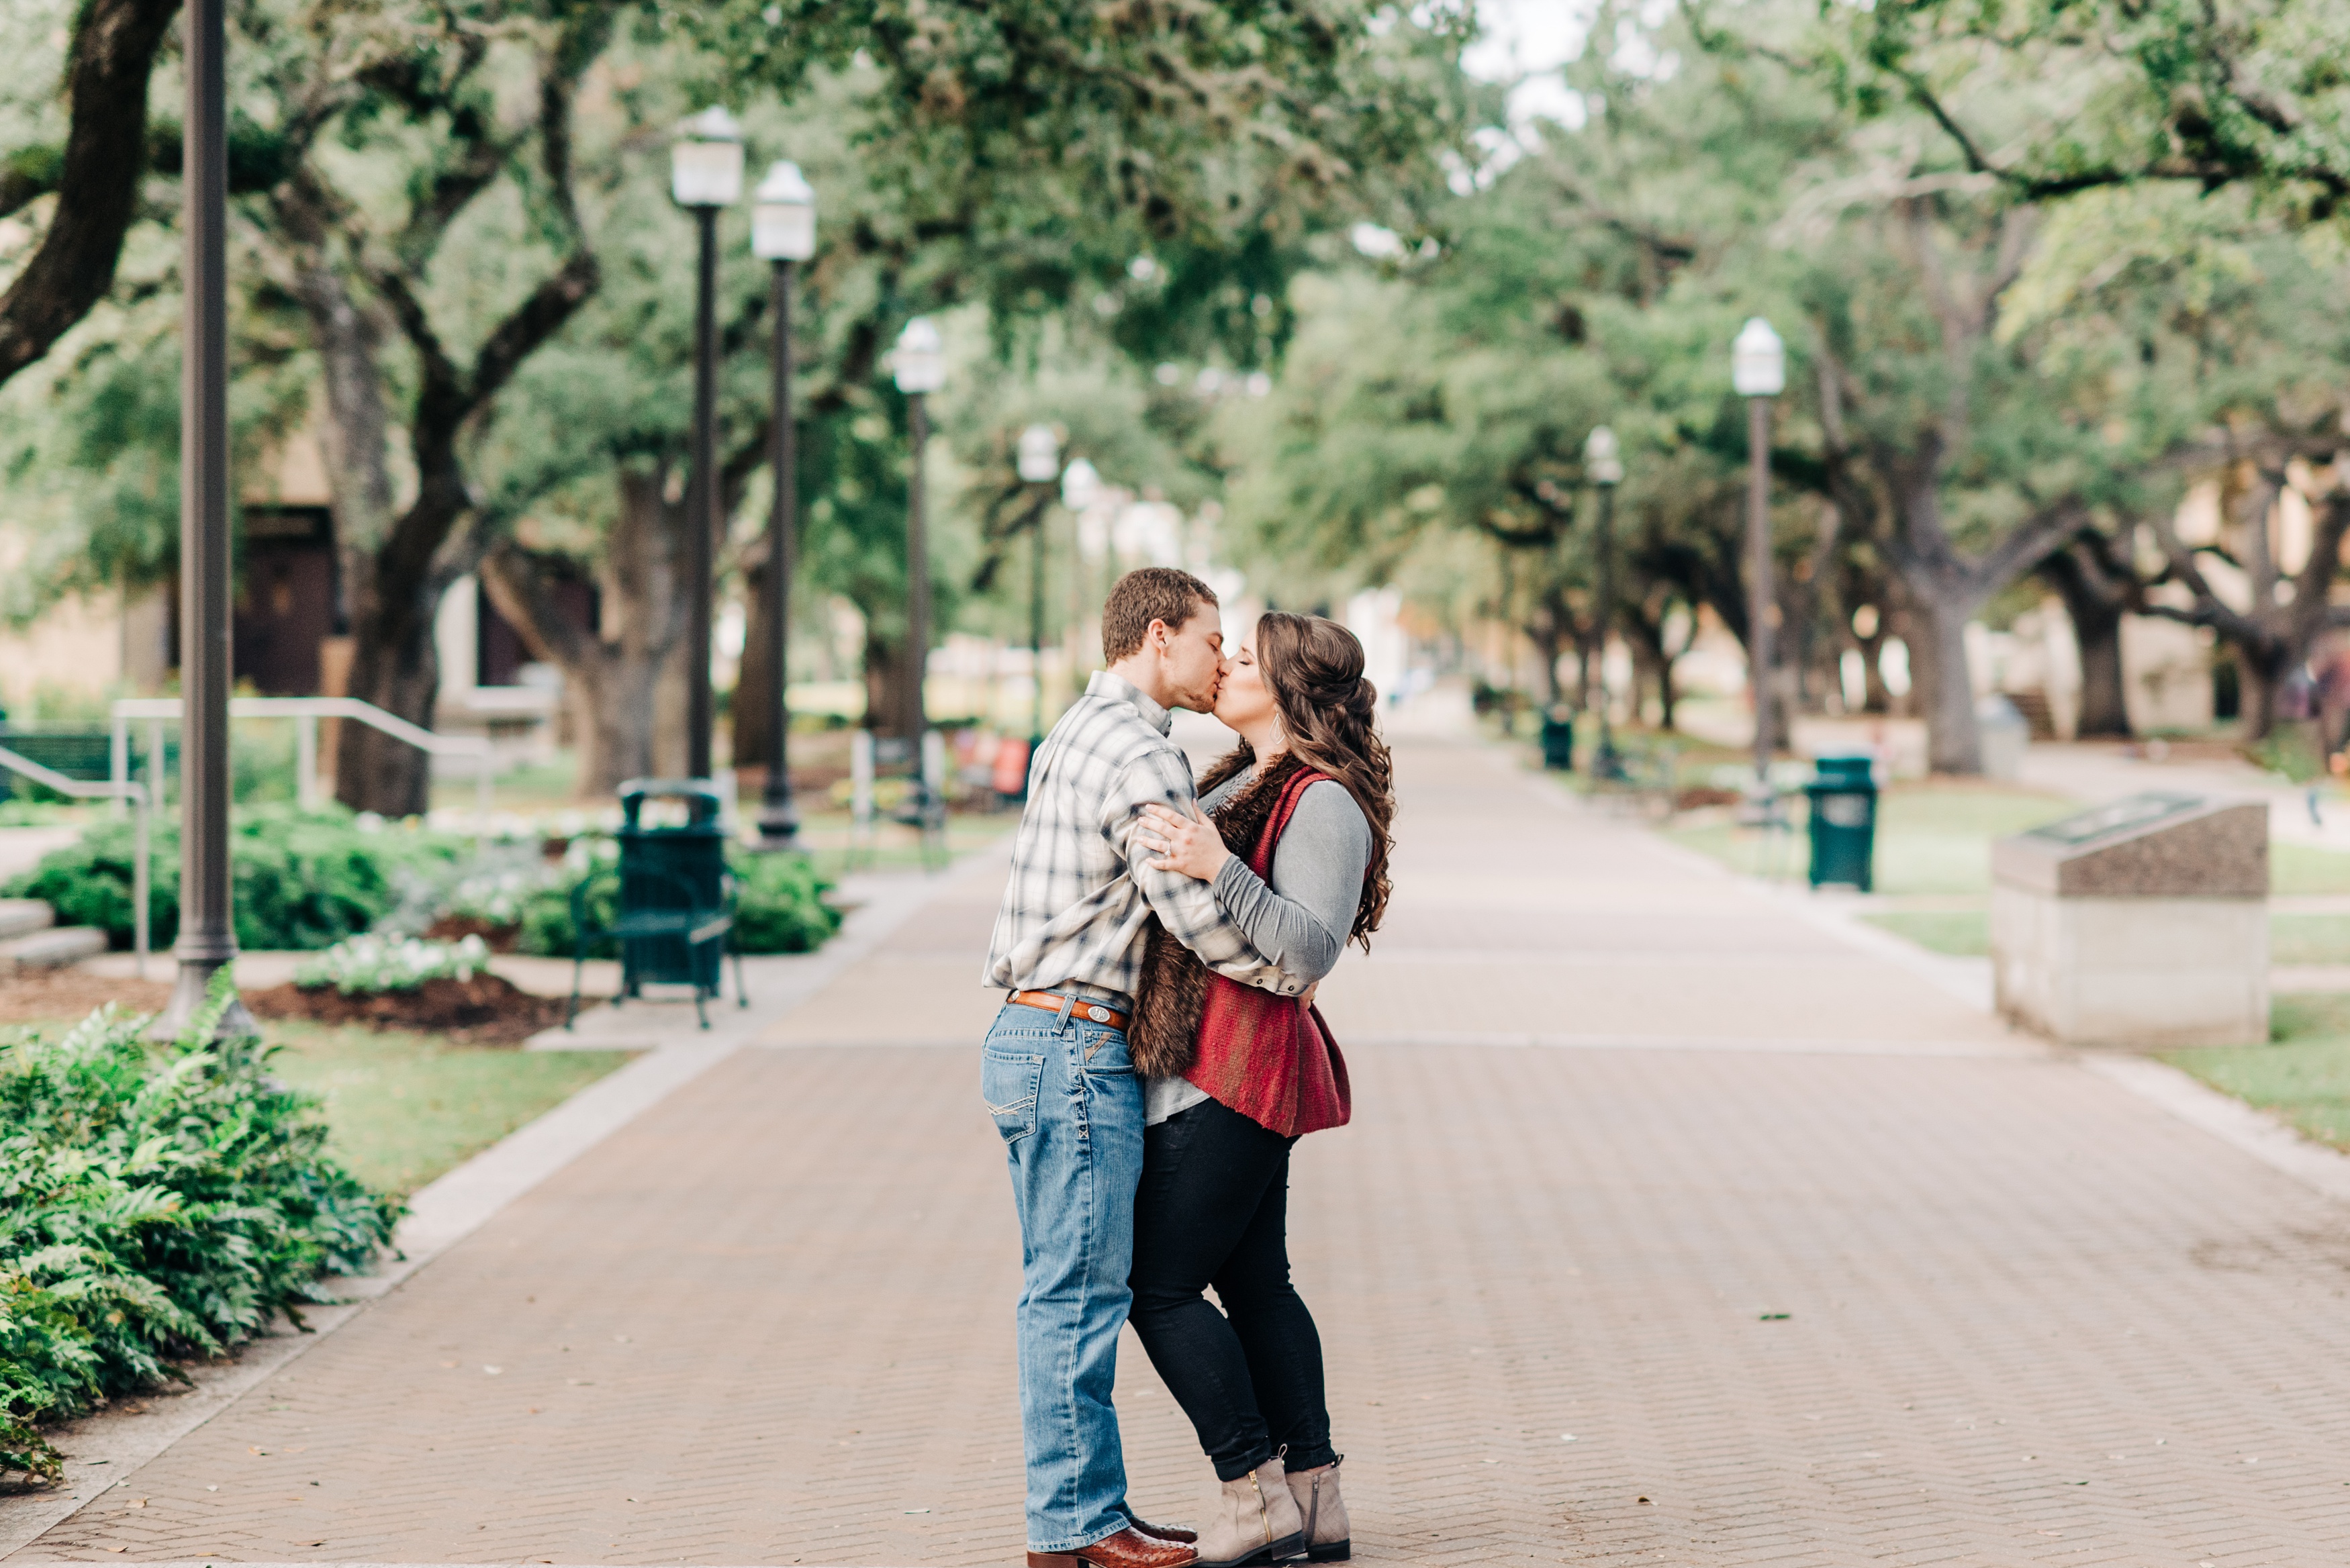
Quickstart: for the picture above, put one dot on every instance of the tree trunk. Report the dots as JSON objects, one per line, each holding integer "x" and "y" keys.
{"x": 394, "y": 665}
{"x": 754, "y": 679}
{"x": 1941, "y": 686}
{"x": 1875, "y": 696}
{"x": 624, "y": 678}
{"x": 2104, "y": 694}
{"x": 2259, "y": 674}
{"x": 2096, "y": 606}
{"x": 887, "y": 672}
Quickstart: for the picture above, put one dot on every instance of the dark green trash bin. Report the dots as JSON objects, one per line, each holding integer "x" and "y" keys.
{"x": 1558, "y": 740}
{"x": 666, "y": 873}
{"x": 1843, "y": 794}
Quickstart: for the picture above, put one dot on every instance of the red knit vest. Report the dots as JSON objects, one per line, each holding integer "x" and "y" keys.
{"x": 1267, "y": 1056}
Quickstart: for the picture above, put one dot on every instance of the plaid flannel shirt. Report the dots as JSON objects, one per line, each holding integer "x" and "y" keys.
{"x": 1081, "y": 890}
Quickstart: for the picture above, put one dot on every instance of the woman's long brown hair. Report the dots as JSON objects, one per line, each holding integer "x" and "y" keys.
{"x": 1314, "y": 668}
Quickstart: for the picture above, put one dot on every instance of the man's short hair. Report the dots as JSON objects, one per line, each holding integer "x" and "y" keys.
{"x": 1145, "y": 595}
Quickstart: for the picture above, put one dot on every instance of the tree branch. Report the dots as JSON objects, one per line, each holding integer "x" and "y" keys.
{"x": 113, "y": 54}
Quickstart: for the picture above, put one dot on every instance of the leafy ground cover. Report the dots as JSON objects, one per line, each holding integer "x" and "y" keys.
{"x": 401, "y": 1108}
{"x": 2303, "y": 1075}
{"x": 156, "y": 1203}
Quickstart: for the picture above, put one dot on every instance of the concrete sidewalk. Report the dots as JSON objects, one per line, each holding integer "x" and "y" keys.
{"x": 1672, "y": 1229}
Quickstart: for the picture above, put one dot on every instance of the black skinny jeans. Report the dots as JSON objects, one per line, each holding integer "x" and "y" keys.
{"x": 1213, "y": 1208}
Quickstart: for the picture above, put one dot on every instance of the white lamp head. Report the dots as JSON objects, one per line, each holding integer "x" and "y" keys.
{"x": 705, "y": 164}
{"x": 1758, "y": 360}
{"x": 1040, "y": 455}
{"x": 919, "y": 362}
{"x": 782, "y": 215}
{"x": 1601, "y": 461}
{"x": 1080, "y": 485}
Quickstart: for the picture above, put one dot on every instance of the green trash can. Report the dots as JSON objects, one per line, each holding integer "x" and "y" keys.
{"x": 670, "y": 870}
{"x": 1558, "y": 740}
{"x": 1843, "y": 795}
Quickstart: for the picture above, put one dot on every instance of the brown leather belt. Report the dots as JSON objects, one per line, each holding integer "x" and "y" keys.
{"x": 1078, "y": 1006}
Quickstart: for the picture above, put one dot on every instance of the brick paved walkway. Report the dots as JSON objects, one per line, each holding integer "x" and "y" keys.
{"x": 1816, "y": 1265}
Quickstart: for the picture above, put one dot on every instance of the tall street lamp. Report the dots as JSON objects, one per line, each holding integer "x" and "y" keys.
{"x": 1604, "y": 467}
{"x": 1040, "y": 464}
{"x": 783, "y": 230}
{"x": 1758, "y": 369}
{"x": 920, "y": 364}
{"x": 1081, "y": 486}
{"x": 207, "y": 941}
{"x": 705, "y": 174}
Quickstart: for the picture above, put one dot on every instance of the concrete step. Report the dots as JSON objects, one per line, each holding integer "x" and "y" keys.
{"x": 18, "y": 916}
{"x": 51, "y": 949}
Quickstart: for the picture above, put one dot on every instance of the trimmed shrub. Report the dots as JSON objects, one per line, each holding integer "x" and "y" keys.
{"x": 302, "y": 879}
{"x": 779, "y": 906}
{"x": 156, "y": 1204}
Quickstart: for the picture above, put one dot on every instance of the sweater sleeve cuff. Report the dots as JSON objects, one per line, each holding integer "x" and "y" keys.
{"x": 1233, "y": 886}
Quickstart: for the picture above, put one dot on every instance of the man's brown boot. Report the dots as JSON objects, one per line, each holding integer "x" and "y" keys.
{"x": 1256, "y": 1522}
{"x": 1163, "y": 1531}
{"x": 1126, "y": 1549}
{"x": 1328, "y": 1537}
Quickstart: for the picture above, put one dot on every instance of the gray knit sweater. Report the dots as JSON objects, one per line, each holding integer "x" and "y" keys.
{"x": 1300, "y": 921}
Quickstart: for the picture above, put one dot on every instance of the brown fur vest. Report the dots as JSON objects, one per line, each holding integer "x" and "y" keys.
{"x": 1174, "y": 988}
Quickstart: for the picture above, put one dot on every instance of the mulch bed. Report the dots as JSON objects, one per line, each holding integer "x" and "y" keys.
{"x": 457, "y": 928}
{"x": 55, "y": 994}
{"x": 487, "y": 1010}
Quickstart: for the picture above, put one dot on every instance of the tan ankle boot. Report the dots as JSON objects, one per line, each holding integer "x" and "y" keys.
{"x": 1328, "y": 1536}
{"x": 1255, "y": 1522}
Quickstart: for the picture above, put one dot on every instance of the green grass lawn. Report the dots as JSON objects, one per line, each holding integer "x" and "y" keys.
{"x": 826, "y": 836}
{"x": 1961, "y": 933}
{"x": 1965, "y": 933}
{"x": 1932, "y": 838}
{"x": 2303, "y": 1076}
{"x": 2305, "y": 868}
{"x": 403, "y": 1109}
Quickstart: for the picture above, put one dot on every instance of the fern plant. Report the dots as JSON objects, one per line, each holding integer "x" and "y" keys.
{"x": 156, "y": 1204}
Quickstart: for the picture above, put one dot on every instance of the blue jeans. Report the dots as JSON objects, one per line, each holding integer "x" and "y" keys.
{"x": 1069, "y": 1106}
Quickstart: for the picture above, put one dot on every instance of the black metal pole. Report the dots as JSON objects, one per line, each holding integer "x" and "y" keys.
{"x": 1036, "y": 625}
{"x": 779, "y": 819}
{"x": 1604, "y": 763}
{"x": 1761, "y": 601}
{"x": 702, "y": 509}
{"x": 207, "y": 941}
{"x": 918, "y": 575}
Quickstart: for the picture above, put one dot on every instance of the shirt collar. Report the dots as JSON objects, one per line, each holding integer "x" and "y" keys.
{"x": 1117, "y": 689}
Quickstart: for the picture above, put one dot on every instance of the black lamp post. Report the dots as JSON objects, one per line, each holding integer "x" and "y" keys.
{"x": 783, "y": 230}
{"x": 1604, "y": 467}
{"x": 1040, "y": 464}
{"x": 1758, "y": 371}
{"x": 920, "y": 364}
{"x": 207, "y": 941}
{"x": 705, "y": 174}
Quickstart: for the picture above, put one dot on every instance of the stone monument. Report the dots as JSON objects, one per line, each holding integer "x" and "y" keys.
{"x": 2143, "y": 923}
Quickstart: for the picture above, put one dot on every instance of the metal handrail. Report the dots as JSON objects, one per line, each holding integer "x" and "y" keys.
{"x": 90, "y": 789}
{"x": 306, "y": 712}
